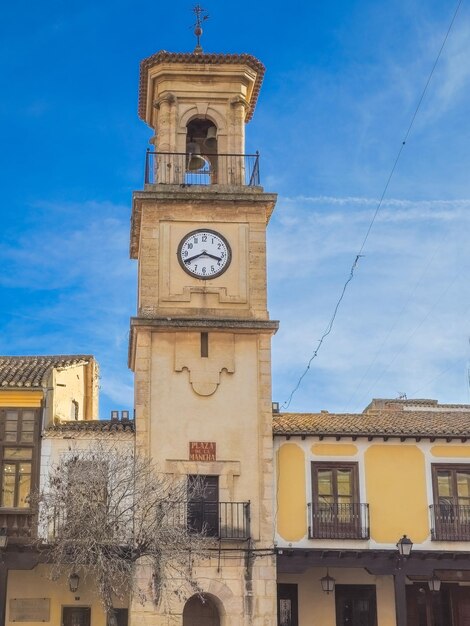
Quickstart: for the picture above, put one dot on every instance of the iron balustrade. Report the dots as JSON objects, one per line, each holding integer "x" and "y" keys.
{"x": 222, "y": 520}
{"x": 450, "y": 522}
{"x": 116, "y": 533}
{"x": 176, "y": 168}
{"x": 19, "y": 524}
{"x": 334, "y": 520}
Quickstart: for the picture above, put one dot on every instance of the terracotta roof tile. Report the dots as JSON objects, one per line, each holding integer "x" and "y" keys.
{"x": 99, "y": 426}
{"x": 33, "y": 371}
{"x": 209, "y": 59}
{"x": 399, "y": 423}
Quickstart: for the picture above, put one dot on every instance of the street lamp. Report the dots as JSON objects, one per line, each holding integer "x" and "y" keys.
{"x": 404, "y": 546}
{"x": 74, "y": 581}
{"x": 434, "y": 583}
{"x": 327, "y": 583}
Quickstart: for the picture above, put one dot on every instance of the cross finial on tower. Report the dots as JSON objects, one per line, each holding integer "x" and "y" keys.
{"x": 201, "y": 16}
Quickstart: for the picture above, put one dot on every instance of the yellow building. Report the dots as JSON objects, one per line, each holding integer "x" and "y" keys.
{"x": 36, "y": 392}
{"x": 349, "y": 488}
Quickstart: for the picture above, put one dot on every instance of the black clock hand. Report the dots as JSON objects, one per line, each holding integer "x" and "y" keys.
{"x": 212, "y": 256}
{"x": 191, "y": 258}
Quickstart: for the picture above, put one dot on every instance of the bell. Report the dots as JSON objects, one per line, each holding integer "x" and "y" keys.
{"x": 195, "y": 160}
{"x": 211, "y": 140}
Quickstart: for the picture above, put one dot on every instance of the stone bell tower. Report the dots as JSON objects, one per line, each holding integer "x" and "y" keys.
{"x": 200, "y": 342}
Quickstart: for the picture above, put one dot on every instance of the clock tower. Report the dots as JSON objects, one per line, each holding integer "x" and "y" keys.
{"x": 200, "y": 341}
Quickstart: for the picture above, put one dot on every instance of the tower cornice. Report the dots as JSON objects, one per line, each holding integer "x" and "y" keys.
{"x": 163, "y": 57}
{"x": 164, "y": 325}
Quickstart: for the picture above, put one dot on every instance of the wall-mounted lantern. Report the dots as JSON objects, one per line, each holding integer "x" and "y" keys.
{"x": 327, "y": 583}
{"x": 434, "y": 583}
{"x": 74, "y": 581}
{"x": 404, "y": 546}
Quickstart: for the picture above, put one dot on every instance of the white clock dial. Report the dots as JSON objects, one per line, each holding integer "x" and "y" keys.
{"x": 204, "y": 253}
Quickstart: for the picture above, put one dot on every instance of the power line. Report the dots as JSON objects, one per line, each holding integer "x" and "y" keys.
{"x": 329, "y": 328}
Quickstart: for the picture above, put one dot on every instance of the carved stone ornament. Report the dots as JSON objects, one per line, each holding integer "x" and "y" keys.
{"x": 204, "y": 372}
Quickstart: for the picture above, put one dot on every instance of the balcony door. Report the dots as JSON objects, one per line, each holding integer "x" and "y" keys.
{"x": 452, "y": 501}
{"x": 203, "y": 504}
{"x": 335, "y": 501}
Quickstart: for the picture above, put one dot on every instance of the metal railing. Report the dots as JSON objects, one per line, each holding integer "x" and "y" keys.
{"x": 333, "y": 520}
{"x": 179, "y": 168}
{"x": 19, "y": 524}
{"x": 223, "y": 520}
{"x": 450, "y": 522}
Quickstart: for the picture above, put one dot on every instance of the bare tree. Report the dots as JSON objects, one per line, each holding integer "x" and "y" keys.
{"x": 104, "y": 510}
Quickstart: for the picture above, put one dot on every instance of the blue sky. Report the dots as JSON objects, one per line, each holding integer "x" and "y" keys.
{"x": 343, "y": 80}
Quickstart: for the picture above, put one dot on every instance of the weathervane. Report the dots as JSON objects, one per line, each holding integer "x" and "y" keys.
{"x": 201, "y": 16}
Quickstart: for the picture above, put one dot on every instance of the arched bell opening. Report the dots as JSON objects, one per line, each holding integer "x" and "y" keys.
{"x": 201, "y": 610}
{"x": 201, "y": 150}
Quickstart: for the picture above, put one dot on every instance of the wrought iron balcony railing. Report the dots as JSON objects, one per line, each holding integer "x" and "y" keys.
{"x": 450, "y": 522}
{"x": 179, "y": 168}
{"x": 333, "y": 520}
{"x": 223, "y": 520}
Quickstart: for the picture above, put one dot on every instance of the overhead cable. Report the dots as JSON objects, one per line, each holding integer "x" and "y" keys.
{"x": 329, "y": 327}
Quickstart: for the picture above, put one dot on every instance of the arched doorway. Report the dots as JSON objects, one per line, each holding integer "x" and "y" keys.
{"x": 200, "y": 611}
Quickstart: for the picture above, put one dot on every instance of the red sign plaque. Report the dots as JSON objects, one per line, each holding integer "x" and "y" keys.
{"x": 202, "y": 451}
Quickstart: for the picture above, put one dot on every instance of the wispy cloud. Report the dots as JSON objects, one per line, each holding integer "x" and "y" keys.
{"x": 405, "y": 317}
{"x": 83, "y": 284}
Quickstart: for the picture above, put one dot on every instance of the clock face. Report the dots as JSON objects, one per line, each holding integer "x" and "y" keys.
{"x": 204, "y": 253}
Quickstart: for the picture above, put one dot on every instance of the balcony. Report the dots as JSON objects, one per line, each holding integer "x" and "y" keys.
{"x": 178, "y": 168}
{"x": 19, "y": 524}
{"x": 450, "y": 522}
{"x": 222, "y": 520}
{"x": 332, "y": 520}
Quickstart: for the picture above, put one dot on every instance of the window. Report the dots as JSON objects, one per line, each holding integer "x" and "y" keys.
{"x": 203, "y": 504}
{"x": 336, "y": 511}
{"x": 76, "y": 616}
{"x": 16, "y": 477}
{"x": 119, "y": 617}
{"x": 19, "y": 428}
{"x": 451, "y": 509}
